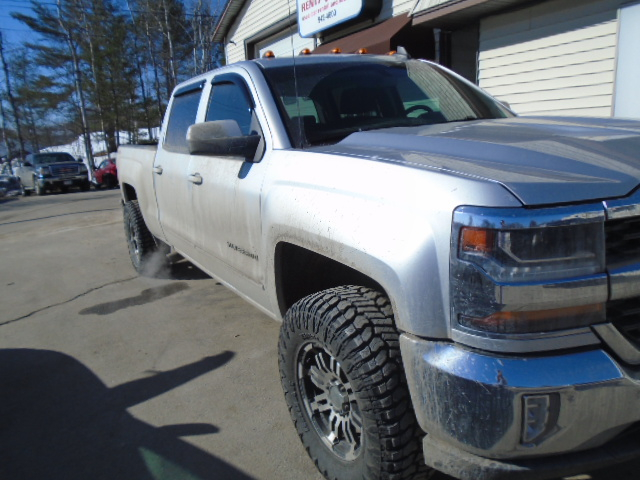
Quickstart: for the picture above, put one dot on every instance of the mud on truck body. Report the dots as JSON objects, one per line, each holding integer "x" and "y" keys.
{"x": 458, "y": 286}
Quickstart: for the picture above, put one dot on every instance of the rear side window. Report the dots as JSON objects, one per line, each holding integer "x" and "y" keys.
{"x": 183, "y": 114}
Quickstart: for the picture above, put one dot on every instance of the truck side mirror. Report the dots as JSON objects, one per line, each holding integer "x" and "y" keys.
{"x": 221, "y": 137}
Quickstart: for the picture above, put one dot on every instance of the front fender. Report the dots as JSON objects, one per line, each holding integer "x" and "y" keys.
{"x": 390, "y": 223}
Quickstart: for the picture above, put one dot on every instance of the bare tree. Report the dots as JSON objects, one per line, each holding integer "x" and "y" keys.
{"x": 86, "y": 131}
{"x": 12, "y": 102}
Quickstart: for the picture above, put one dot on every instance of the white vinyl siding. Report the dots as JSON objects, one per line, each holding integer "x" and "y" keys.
{"x": 395, "y": 8}
{"x": 258, "y": 15}
{"x": 286, "y": 46}
{"x": 556, "y": 58}
{"x": 255, "y": 17}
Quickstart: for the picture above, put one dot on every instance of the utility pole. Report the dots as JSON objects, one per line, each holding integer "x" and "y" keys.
{"x": 5, "y": 139}
{"x": 12, "y": 100}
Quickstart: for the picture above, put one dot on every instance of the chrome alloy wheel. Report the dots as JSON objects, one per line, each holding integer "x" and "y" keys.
{"x": 134, "y": 243}
{"x": 329, "y": 401}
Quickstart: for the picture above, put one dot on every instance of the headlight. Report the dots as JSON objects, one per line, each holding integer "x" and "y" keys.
{"x": 83, "y": 169}
{"x": 532, "y": 255}
{"x": 43, "y": 171}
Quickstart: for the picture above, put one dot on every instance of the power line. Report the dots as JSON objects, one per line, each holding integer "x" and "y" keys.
{"x": 126, "y": 11}
{"x": 5, "y": 29}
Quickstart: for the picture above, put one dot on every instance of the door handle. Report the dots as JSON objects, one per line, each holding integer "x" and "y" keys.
{"x": 157, "y": 170}
{"x": 195, "y": 178}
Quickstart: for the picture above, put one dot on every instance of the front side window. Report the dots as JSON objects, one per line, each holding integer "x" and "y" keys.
{"x": 229, "y": 102}
{"x": 183, "y": 114}
{"x": 48, "y": 158}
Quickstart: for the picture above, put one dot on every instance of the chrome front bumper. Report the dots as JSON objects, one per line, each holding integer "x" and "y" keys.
{"x": 498, "y": 409}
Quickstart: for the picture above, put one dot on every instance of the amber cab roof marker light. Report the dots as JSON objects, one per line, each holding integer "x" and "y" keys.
{"x": 336, "y": 50}
{"x": 305, "y": 51}
{"x": 362, "y": 51}
{"x": 268, "y": 54}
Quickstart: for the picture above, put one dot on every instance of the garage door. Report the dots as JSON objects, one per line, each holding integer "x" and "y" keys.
{"x": 554, "y": 58}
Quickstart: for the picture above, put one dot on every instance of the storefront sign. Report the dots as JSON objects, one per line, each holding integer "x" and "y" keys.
{"x": 317, "y": 15}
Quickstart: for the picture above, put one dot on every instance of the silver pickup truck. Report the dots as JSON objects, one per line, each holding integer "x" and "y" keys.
{"x": 459, "y": 288}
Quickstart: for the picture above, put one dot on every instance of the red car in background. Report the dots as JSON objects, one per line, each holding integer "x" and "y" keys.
{"x": 106, "y": 175}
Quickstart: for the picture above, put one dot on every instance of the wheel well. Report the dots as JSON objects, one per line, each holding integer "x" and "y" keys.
{"x": 300, "y": 272}
{"x": 128, "y": 192}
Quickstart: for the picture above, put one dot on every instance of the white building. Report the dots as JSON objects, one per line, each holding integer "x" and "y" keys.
{"x": 560, "y": 57}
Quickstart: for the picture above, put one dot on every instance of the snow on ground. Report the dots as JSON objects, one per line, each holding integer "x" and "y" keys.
{"x": 98, "y": 145}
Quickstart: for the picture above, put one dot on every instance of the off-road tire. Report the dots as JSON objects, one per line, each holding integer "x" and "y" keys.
{"x": 339, "y": 358}
{"x": 145, "y": 257}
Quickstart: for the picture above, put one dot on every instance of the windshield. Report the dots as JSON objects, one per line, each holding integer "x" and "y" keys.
{"x": 47, "y": 158}
{"x": 335, "y": 99}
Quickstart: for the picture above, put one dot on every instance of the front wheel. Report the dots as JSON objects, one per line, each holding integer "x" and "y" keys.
{"x": 344, "y": 383}
{"x": 146, "y": 258}
{"x": 38, "y": 189}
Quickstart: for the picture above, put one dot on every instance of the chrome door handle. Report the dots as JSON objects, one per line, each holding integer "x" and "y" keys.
{"x": 195, "y": 178}
{"x": 157, "y": 170}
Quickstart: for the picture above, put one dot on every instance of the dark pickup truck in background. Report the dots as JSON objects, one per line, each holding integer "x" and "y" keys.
{"x": 42, "y": 172}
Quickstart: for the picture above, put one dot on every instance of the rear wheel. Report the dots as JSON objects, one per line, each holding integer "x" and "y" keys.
{"x": 146, "y": 258}
{"x": 343, "y": 379}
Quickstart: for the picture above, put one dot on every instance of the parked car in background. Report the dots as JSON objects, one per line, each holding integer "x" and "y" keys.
{"x": 9, "y": 186}
{"x": 106, "y": 175}
{"x": 42, "y": 172}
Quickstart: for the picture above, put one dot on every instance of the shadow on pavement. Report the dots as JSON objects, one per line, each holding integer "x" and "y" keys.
{"x": 59, "y": 421}
{"x": 148, "y": 295}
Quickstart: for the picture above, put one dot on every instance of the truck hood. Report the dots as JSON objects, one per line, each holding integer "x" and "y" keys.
{"x": 541, "y": 160}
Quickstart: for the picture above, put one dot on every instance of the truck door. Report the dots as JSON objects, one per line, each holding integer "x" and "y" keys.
{"x": 170, "y": 170}
{"x": 226, "y": 194}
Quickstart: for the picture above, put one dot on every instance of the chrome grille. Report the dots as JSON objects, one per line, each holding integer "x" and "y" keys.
{"x": 622, "y": 236}
{"x": 623, "y": 241}
{"x": 625, "y": 316}
{"x": 63, "y": 170}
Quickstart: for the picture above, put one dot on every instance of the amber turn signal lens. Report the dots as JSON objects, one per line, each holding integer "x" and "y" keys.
{"x": 538, "y": 320}
{"x": 479, "y": 240}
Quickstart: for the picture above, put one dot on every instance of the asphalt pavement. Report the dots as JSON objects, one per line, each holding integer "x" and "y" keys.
{"x": 108, "y": 375}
